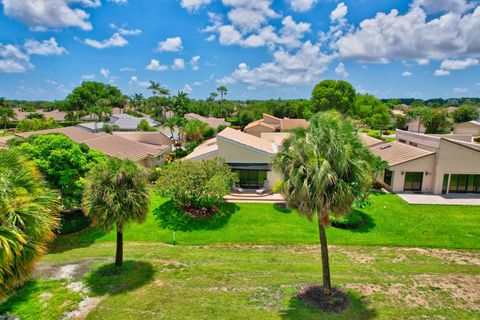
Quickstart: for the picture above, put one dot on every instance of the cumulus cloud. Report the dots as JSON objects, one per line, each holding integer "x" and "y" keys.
{"x": 194, "y": 5}
{"x": 302, "y": 5}
{"x": 301, "y": 67}
{"x": 116, "y": 40}
{"x": 187, "y": 88}
{"x": 170, "y": 45}
{"x": 178, "y": 64}
{"x": 13, "y": 60}
{"x": 135, "y": 82}
{"x": 155, "y": 65}
{"x": 129, "y": 32}
{"x": 41, "y": 15}
{"x": 194, "y": 62}
{"x": 441, "y": 72}
{"x": 44, "y": 48}
{"x": 436, "y": 6}
{"x": 88, "y": 76}
{"x": 339, "y": 12}
{"x": 450, "y": 64}
{"x": 341, "y": 71}
{"x": 406, "y": 73}
{"x": 105, "y": 72}
{"x": 119, "y": 1}
{"x": 460, "y": 90}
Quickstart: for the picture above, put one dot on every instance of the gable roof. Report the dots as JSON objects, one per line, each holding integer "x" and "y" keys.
{"x": 260, "y": 123}
{"x": 288, "y": 124}
{"x": 275, "y": 123}
{"x": 247, "y": 140}
{"x": 211, "y": 121}
{"x": 206, "y": 149}
{"x": 472, "y": 146}
{"x": 396, "y": 153}
{"x": 369, "y": 141}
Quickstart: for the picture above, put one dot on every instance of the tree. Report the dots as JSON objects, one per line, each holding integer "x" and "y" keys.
{"x": 465, "y": 113}
{"x": 333, "y": 94}
{"x": 136, "y": 101}
{"x": 6, "y": 114}
{"x": 223, "y": 91}
{"x": 400, "y": 121}
{"x": 436, "y": 121}
{"x": 28, "y": 219}
{"x": 117, "y": 193}
{"x": 179, "y": 104}
{"x": 63, "y": 163}
{"x": 36, "y": 124}
{"x": 194, "y": 130}
{"x": 145, "y": 126}
{"x": 325, "y": 168}
{"x": 213, "y": 96}
{"x": 158, "y": 89}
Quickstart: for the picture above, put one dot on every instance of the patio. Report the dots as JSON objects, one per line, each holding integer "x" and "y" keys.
{"x": 253, "y": 197}
{"x": 441, "y": 199}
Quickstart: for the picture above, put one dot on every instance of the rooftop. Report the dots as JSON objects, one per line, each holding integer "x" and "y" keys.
{"x": 248, "y": 140}
{"x": 369, "y": 141}
{"x": 211, "y": 121}
{"x": 396, "y": 152}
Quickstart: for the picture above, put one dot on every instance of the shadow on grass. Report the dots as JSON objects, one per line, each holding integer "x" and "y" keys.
{"x": 170, "y": 217}
{"x": 358, "y": 308}
{"x": 367, "y": 225}
{"x": 23, "y": 295}
{"x": 81, "y": 239}
{"x": 281, "y": 207}
{"x": 110, "y": 279}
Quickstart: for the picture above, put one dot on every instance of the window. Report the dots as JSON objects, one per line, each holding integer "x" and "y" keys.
{"x": 445, "y": 184}
{"x": 413, "y": 144}
{"x": 402, "y": 141}
{"x": 413, "y": 181}
{"x": 252, "y": 179}
{"x": 464, "y": 183}
{"x": 387, "y": 177}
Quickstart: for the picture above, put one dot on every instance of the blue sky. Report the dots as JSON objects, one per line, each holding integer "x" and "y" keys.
{"x": 259, "y": 49}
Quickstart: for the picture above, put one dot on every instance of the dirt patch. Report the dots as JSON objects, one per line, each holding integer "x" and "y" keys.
{"x": 68, "y": 271}
{"x": 315, "y": 297}
{"x": 367, "y": 289}
{"x": 461, "y": 257}
{"x": 84, "y": 308}
{"x": 159, "y": 283}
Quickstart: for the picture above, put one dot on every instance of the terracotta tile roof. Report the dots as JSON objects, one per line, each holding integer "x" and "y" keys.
{"x": 369, "y": 141}
{"x": 55, "y": 114}
{"x": 289, "y": 124}
{"x": 279, "y": 124}
{"x": 208, "y": 148}
{"x": 74, "y": 133}
{"x": 396, "y": 152}
{"x": 211, "y": 121}
{"x": 248, "y": 140}
{"x": 260, "y": 123}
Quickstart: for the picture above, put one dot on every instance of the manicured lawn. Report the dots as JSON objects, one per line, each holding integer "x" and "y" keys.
{"x": 161, "y": 281}
{"x": 392, "y": 222}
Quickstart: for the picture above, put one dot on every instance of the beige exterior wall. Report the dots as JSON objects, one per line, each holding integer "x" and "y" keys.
{"x": 425, "y": 164}
{"x": 258, "y": 130}
{"x": 467, "y": 128}
{"x": 413, "y": 126}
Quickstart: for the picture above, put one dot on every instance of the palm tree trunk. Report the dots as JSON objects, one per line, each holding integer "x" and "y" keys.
{"x": 327, "y": 286}
{"x": 4, "y": 128}
{"x": 119, "y": 254}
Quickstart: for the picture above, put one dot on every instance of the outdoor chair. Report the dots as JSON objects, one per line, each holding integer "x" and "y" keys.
{"x": 237, "y": 189}
{"x": 263, "y": 189}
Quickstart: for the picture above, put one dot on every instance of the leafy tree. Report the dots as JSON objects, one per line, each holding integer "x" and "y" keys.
{"x": 28, "y": 219}
{"x": 333, "y": 94}
{"x": 223, "y": 91}
{"x": 436, "y": 121}
{"x": 136, "y": 101}
{"x": 144, "y": 126}
{"x": 35, "y": 116}
{"x": 179, "y": 104}
{"x": 194, "y": 130}
{"x": 372, "y": 111}
{"x": 158, "y": 89}
{"x": 400, "y": 121}
{"x": 213, "y": 96}
{"x": 196, "y": 187}
{"x": 465, "y": 113}
{"x": 63, "y": 163}
{"x": 36, "y": 124}
{"x": 117, "y": 193}
{"x": 7, "y": 114}
{"x": 325, "y": 168}
{"x": 245, "y": 117}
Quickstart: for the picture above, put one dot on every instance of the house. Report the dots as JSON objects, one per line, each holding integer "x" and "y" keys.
{"x": 121, "y": 121}
{"x": 250, "y": 156}
{"x": 273, "y": 124}
{"x": 430, "y": 163}
{"x": 416, "y": 125}
{"x": 148, "y": 149}
{"x": 55, "y": 114}
{"x": 211, "y": 121}
{"x": 471, "y": 127}
{"x": 369, "y": 141}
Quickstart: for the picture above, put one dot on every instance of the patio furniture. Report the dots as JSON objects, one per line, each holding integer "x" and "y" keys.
{"x": 263, "y": 189}
{"x": 237, "y": 189}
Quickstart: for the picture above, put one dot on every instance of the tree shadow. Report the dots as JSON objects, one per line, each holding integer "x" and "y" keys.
{"x": 81, "y": 239}
{"x": 367, "y": 225}
{"x": 22, "y": 295}
{"x": 110, "y": 279}
{"x": 358, "y": 308}
{"x": 170, "y": 217}
{"x": 281, "y": 207}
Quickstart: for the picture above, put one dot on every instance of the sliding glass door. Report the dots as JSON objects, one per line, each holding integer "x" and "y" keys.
{"x": 464, "y": 183}
{"x": 251, "y": 179}
{"x": 413, "y": 181}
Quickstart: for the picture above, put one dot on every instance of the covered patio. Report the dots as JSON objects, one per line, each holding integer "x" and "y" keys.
{"x": 454, "y": 199}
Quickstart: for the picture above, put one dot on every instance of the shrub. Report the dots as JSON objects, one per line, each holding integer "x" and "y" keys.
{"x": 353, "y": 220}
{"x": 277, "y": 186}
{"x": 73, "y": 221}
{"x": 208, "y": 133}
{"x": 197, "y": 188}
{"x": 221, "y": 128}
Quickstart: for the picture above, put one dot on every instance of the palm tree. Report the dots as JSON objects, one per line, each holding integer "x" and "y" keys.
{"x": 116, "y": 193}
{"x": 136, "y": 100}
{"x": 213, "y": 96}
{"x": 28, "y": 219}
{"x": 325, "y": 168}
{"x": 223, "y": 91}
{"x": 158, "y": 89}
{"x": 6, "y": 114}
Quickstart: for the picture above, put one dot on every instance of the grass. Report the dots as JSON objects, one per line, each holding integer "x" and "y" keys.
{"x": 161, "y": 281}
{"x": 391, "y": 222}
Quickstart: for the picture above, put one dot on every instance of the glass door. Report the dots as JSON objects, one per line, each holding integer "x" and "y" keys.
{"x": 413, "y": 181}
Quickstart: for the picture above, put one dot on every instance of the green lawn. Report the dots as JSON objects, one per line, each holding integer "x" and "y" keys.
{"x": 392, "y": 222}
{"x": 162, "y": 281}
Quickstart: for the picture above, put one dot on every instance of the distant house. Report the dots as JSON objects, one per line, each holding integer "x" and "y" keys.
{"x": 416, "y": 125}
{"x": 55, "y": 114}
{"x": 148, "y": 149}
{"x": 211, "y": 121}
{"x": 121, "y": 121}
{"x": 471, "y": 127}
{"x": 273, "y": 124}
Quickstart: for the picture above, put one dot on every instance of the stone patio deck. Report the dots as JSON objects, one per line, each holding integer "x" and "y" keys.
{"x": 254, "y": 198}
{"x": 443, "y": 199}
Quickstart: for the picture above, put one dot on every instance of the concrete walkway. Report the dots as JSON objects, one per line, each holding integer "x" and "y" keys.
{"x": 254, "y": 198}
{"x": 444, "y": 199}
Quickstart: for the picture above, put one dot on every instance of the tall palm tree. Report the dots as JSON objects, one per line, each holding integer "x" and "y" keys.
{"x": 223, "y": 91}
{"x": 28, "y": 219}
{"x": 213, "y": 96}
{"x": 158, "y": 89}
{"x": 116, "y": 193}
{"x": 6, "y": 114}
{"x": 324, "y": 169}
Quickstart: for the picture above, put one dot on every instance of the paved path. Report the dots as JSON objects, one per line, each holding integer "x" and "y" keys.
{"x": 445, "y": 199}
{"x": 253, "y": 198}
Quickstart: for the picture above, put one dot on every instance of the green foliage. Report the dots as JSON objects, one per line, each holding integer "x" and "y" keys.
{"x": 144, "y": 126}
{"x": 195, "y": 130}
{"x": 353, "y": 220}
{"x": 73, "y": 221}
{"x": 208, "y": 133}
{"x": 333, "y": 94}
{"x": 371, "y": 110}
{"x": 221, "y": 127}
{"x": 134, "y": 113}
{"x": 63, "y": 163}
{"x": 35, "y": 124}
{"x": 28, "y": 219}
{"x": 6, "y": 114}
{"x": 278, "y": 186}
{"x": 35, "y": 116}
{"x": 196, "y": 185}
{"x": 245, "y": 117}
{"x": 400, "y": 121}
{"x": 465, "y": 114}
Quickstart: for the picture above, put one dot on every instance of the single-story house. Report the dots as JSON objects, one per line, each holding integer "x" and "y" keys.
{"x": 122, "y": 122}
{"x": 55, "y": 114}
{"x": 471, "y": 127}
{"x": 148, "y": 149}
{"x": 211, "y": 121}
{"x": 273, "y": 124}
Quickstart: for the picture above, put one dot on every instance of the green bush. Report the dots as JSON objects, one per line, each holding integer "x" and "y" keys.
{"x": 73, "y": 221}
{"x": 352, "y": 220}
{"x": 208, "y": 133}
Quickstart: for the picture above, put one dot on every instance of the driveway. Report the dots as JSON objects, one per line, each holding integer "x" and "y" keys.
{"x": 444, "y": 199}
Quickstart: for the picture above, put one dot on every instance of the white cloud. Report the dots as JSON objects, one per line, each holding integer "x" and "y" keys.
{"x": 413, "y": 36}
{"x": 211, "y": 37}
{"x": 436, "y": 6}
{"x": 13, "y": 60}
{"x": 302, "y": 5}
{"x": 170, "y": 45}
{"x": 341, "y": 71}
{"x": 119, "y": 1}
{"x": 129, "y": 32}
{"x": 406, "y": 74}
{"x": 450, "y": 64}
{"x": 423, "y": 62}
{"x": 460, "y": 90}
{"x": 441, "y": 72}
{"x": 155, "y": 65}
{"x": 339, "y": 13}
{"x": 127, "y": 69}
{"x": 187, "y": 88}
{"x": 41, "y": 15}
{"x": 194, "y": 5}
{"x": 116, "y": 40}
{"x": 88, "y": 76}
{"x": 303, "y": 66}
{"x": 105, "y": 72}
{"x": 44, "y": 48}
{"x": 134, "y": 82}
{"x": 178, "y": 64}
{"x": 194, "y": 62}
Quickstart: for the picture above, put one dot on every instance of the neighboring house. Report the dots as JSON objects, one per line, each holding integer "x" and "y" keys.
{"x": 121, "y": 121}
{"x": 416, "y": 125}
{"x": 251, "y": 157}
{"x": 148, "y": 149}
{"x": 55, "y": 114}
{"x": 273, "y": 124}
{"x": 369, "y": 141}
{"x": 211, "y": 121}
{"x": 430, "y": 163}
{"x": 471, "y": 127}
